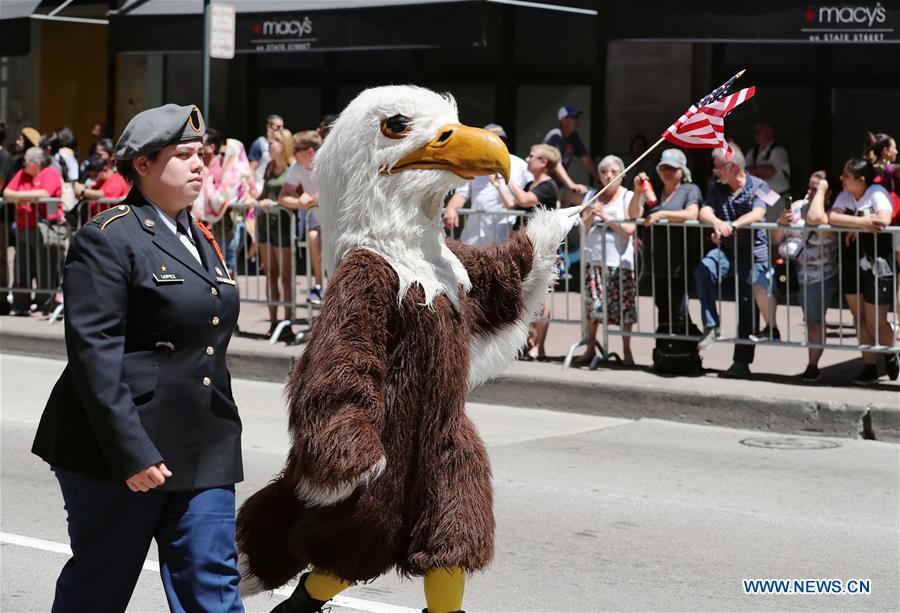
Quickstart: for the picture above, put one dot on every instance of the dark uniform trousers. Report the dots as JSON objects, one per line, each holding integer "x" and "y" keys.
{"x": 110, "y": 529}
{"x": 147, "y": 329}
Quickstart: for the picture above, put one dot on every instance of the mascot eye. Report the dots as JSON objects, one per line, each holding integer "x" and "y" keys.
{"x": 396, "y": 126}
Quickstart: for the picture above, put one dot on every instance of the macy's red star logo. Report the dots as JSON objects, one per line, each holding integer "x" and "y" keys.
{"x": 257, "y": 28}
{"x": 810, "y": 15}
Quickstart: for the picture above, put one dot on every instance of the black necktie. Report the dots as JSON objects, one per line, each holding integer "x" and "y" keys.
{"x": 183, "y": 230}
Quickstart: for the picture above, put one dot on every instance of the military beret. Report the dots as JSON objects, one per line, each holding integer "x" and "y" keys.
{"x": 151, "y": 130}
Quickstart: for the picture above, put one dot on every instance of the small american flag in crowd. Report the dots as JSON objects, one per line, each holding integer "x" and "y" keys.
{"x": 703, "y": 125}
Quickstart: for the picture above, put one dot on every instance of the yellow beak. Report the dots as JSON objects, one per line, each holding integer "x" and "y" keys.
{"x": 464, "y": 151}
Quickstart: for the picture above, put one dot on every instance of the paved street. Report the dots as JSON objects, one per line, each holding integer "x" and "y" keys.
{"x": 593, "y": 513}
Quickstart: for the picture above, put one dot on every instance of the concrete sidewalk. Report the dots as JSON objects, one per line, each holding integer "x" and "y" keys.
{"x": 772, "y": 400}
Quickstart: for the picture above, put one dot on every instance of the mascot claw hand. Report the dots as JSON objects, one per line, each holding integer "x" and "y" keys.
{"x": 569, "y": 218}
{"x": 345, "y": 455}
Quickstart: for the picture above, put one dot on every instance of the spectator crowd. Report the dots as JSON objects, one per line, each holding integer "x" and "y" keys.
{"x": 256, "y": 204}
{"x": 259, "y": 201}
{"x": 852, "y": 262}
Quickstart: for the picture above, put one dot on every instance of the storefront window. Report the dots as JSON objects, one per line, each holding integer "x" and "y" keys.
{"x": 857, "y": 111}
{"x": 740, "y": 55}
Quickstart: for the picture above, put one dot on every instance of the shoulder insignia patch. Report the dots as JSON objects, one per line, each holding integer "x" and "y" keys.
{"x": 104, "y": 218}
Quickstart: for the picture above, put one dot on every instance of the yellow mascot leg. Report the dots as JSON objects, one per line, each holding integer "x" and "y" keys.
{"x": 444, "y": 589}
{"x": 324, "y": 587}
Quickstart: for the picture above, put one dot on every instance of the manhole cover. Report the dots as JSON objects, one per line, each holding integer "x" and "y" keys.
{"x": 790, "y": 443}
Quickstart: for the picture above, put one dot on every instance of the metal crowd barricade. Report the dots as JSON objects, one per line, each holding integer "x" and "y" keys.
{"x": 38, "y": 254}
{"x": 44, "y": 263}
{"x": 236, "y": 234}
{"x": 564, "y": 301}
{"x": 74, "y": 219}
{"x": 882, "y": 263}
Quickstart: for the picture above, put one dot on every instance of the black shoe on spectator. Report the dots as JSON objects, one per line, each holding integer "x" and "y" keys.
{"x": 315, "y": 295}
{"x": 738, "y": 370}
{"x": 49, "y": 306}
{"x": 765, "y": 335}
{"x": 286, "y": 335}
{"x": 272, "y": 326}
{"x": 709, "y": 337}
{"x": 811, "y": 375}
{"x": 892, "y": 365}
{"x": 867, "y": 376}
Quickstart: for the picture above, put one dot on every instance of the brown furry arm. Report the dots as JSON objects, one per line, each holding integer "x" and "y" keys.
{"x": 337, "y": 389}
{"x": 497, "y": 273}
{"x": 510, "y": 282}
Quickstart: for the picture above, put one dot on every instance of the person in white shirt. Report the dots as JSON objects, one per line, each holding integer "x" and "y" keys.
{"x": 814, "y": 258}
{"x": 301, "y": 191}
{"x": 768, "y": 160}
{"x": 486, "y": 225}
{"x": 612, "y": 248}
{"x": 867, "y": 262}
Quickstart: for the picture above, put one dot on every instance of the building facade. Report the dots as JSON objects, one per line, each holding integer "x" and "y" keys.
{"x": 825, "y": 74}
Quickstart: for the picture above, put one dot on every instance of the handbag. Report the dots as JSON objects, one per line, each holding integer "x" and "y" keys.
{"x": 53, "y": 234}
{"x": 67, "y": 195}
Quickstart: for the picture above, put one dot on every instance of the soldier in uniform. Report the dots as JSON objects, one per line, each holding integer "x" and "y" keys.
{"x": 141, "y": 430}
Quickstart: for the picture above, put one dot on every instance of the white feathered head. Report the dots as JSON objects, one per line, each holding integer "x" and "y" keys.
{"x": 388, "y": 163}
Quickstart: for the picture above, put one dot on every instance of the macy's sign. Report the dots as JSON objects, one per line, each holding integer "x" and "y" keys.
{"x": 279, "y": 27}
{"x": 849, "y": 15}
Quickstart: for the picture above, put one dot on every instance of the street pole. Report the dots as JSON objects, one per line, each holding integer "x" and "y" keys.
{"x": 207, "y": 27}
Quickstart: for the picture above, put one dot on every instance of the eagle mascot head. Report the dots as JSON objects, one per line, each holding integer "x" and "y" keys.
{"x": 368, "y": 198}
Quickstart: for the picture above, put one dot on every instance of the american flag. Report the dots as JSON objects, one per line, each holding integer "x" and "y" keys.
{"x": 703, "y": 125}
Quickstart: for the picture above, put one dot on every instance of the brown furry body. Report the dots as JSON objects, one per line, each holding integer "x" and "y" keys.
{"x": 386, "y": 380}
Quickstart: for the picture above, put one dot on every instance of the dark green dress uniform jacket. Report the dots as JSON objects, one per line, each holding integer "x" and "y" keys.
{"x": 147, "y": 329}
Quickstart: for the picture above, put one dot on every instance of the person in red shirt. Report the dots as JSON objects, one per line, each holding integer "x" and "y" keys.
{"x": 109, "y": 185}
{"x": 34, "y": 260}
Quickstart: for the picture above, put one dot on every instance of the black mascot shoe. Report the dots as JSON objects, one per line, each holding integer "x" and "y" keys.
{"x": 300, "y": 601}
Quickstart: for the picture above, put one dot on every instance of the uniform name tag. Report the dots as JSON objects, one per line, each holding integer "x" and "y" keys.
{"x": 224, "y": 280}
{"x": 164, "y": 277}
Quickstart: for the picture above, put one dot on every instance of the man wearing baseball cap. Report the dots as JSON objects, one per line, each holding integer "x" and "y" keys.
{"x": 566, "y": 139}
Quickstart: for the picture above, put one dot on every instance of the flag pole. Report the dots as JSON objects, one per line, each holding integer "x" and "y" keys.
{"x": 630, "y": 166}
{"x": 642, "y": 156}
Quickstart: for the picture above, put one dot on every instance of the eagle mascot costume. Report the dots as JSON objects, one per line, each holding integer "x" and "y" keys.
{"x": 385, "y": 469}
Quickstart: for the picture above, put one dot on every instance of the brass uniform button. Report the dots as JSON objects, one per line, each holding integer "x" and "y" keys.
{"x": 207, "y": 382}
{"x": 216, "y": 320}
{"x": 214, "y": 291}
{"x": 210, "y": 351}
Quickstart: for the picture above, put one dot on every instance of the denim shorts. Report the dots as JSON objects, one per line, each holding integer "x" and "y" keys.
{"x": 815, "y": 299}
{"x": 762, "y": 274}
